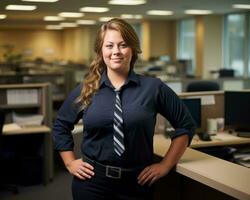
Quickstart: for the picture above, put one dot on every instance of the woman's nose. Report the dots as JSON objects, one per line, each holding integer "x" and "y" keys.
{"x": 116, "y": 50}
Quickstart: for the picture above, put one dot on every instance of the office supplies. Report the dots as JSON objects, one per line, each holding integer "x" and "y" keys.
{"x": 212, "y": 127}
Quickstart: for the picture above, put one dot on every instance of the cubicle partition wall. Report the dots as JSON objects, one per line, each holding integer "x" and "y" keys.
{"x": 28, "y": 110}
{"x": 212, "y": 105}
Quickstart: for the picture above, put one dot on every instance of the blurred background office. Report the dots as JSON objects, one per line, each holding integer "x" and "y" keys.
{"x": 183, "y": 43}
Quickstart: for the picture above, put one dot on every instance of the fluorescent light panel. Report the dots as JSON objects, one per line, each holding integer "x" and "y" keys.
{"x": 45, "y": 1}
{"x": 53, "y": 18}
{"x": 105, "y": 19}
{"x": 86, "y": 22}
{"x": 71, "y": 14}
{"x": 198, "y": 12}
{"x": 68, "y": 24}
{"x": 242, "y": 6}
{"x": 2, "y": 16}
{"x": 159, "y": 12}
{"x": 54, "y": 27}
{"x": 94, "y": 9}
{"x": 20, "y": 7}
{"x": 129, "y": 16}
{"x": 127, "y": 2}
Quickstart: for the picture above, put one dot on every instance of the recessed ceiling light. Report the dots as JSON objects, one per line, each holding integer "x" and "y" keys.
{"x": 53, "y": 18}
{"x": 159, "y": 12}
{"x": 46, "y": 1}
{"x": 242, "y": 6}
{"x": 198, "y": 12}
{"x": 54, "y": 27}
{"x": 127, "y": 2}
{"x": 94, "y": 9}
{"x": 71, "y": 14}
{"x": 105, "y": 19}
{"x": 21, "y": 7}
{"x": 86, "y": 22}
{"x": 129, "y": 16}
{"x": 68, "y": 24}
{"x": 2, "y": 16}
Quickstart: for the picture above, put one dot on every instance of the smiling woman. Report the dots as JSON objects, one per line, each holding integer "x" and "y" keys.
{"x": 117, "y": 56}
{"x": 118, "y": 108}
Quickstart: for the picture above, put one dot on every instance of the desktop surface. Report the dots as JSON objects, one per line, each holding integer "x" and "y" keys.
{"x": 229, "y": 178}
{"x": 220, "y": 139}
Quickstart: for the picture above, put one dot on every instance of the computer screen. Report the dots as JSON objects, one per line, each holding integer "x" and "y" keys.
{"x": 194, "y": 107}
{"x": 237, "y": 110}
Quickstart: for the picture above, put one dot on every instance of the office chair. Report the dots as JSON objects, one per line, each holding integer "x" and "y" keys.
{"x": 8, "y": 173}
{"x": 202, "y": 85}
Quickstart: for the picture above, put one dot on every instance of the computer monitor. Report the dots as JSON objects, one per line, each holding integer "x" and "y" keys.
{"x": 237, "y": 110}
{"x": 194, "y": 107}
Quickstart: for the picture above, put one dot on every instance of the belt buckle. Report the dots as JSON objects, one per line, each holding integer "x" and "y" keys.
{"x": 113, "y": 172}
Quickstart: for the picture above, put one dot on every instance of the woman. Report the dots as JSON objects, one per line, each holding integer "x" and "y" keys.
{"x": 118, "y": 109}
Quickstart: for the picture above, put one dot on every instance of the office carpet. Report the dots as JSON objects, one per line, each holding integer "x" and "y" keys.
{"x": 59, "y": 188}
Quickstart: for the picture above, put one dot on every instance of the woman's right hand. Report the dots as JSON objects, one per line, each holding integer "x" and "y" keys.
{"x": 80, "y": 169}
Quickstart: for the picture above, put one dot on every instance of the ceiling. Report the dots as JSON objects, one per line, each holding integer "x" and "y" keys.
{"x": 34, "y": 19}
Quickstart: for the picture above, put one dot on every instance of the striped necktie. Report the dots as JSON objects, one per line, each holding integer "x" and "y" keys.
{"x": 118, "y": 136}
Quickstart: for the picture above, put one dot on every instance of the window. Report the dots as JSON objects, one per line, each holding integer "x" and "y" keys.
{"x": 234, "y": 43}
{"x": 186, "y": 46}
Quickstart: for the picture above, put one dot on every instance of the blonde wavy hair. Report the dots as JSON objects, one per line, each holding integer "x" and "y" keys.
{"x": 91, "y": 81}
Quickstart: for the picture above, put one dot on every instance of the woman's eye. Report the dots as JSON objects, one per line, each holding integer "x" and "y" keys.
{"x": 124, "y": 45}
{"x": 109, "y": 46}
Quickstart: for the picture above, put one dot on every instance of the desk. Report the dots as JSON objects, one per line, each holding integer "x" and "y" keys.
{"x": 47, "y": 147}
{"x": 221, "y": 139}
{"x": 229, "y": 178}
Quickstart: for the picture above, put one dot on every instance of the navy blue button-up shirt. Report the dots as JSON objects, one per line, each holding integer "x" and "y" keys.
{"x": 142, "y": 98}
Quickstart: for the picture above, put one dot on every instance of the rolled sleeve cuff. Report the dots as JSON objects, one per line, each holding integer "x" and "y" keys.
{"x": 179, "y": 132}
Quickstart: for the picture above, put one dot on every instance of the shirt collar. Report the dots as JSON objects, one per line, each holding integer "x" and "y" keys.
{"x": 132, "y": 78}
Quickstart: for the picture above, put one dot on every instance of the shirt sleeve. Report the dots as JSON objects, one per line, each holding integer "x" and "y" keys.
{"x": 173, "y": 109}
{"x": 68, "y": 115}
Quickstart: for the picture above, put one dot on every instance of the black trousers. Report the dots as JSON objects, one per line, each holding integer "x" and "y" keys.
{"x": 101, "y": 187}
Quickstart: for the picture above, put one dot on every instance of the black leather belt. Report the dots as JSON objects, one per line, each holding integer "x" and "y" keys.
{"x": 110, "y": 171}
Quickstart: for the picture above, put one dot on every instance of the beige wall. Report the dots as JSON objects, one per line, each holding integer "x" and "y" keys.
{"x": 212, "y": 56}
{"x": 74, "y": 44}
{"x": 33, "y": 43}
{"x": 78, "y": 44}
{"x": 162, "y": 42}
{"x": 158, "y": 38}
{"x": 208, "y": 44}
{"x": 146, "y": 51}
{"x": 199, "y": 43}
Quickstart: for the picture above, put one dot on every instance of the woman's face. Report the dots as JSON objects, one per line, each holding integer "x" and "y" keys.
{"x": 116, "y": 53}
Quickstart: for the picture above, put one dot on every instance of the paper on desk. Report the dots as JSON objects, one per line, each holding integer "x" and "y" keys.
{"x": 28, "y": 120}
{"x": 205, "y": 100}
{"x": 11, "y": 127}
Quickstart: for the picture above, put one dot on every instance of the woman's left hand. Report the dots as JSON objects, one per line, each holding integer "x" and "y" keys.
{"x": 152, "y": 173}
